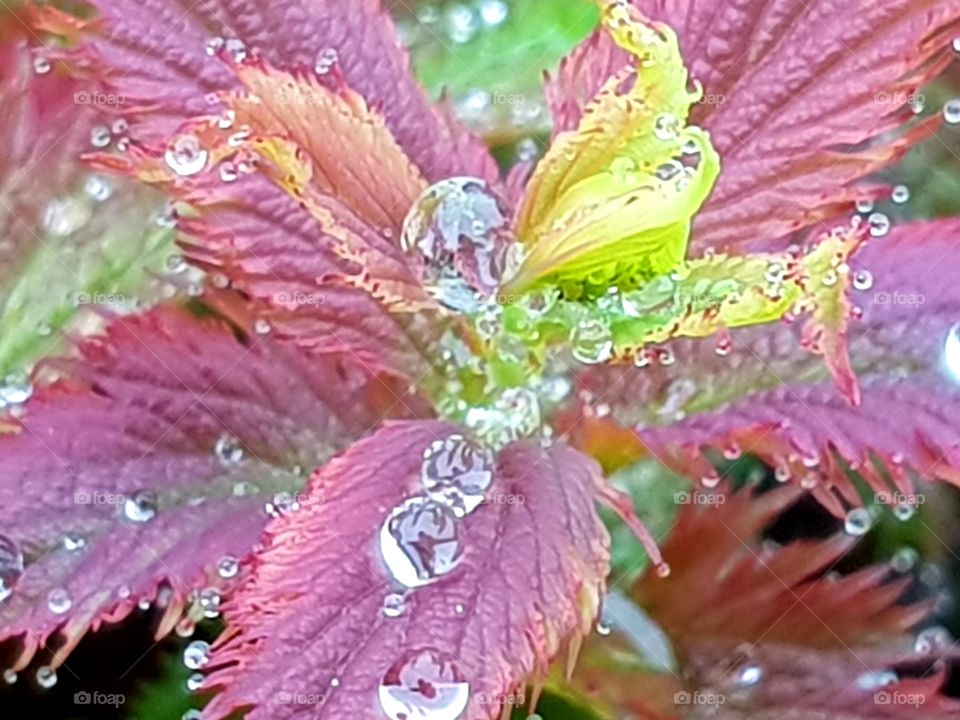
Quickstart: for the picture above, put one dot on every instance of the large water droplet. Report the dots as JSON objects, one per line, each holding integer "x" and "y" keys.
{"x": 141, "y": 507}
{"x": 100, "y": 136}
{"x": 591, "y": 342}
{"x": 9, "y": 676}
{"x": 876, "y": 679}
{"x": 863, "y": 280}
{"x": 186, "y": 156}
{"x": 41, "y": 65}
{"x": 11, "y": 566}
{"x": 58, "y": 600}
{"x": 420, "y": 542}
{"x": 456, "y": 472}
{"x": 460, "y": 230}
{"x": 194, "y": 682}
{"x": 424, "y": 685}
{"x": 857, "y": 522}
{"x": 196, "y": 654}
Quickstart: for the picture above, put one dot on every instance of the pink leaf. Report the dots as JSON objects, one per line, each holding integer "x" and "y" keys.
{"x": 147, "y": 462}
{"x": 801, "y": 100}
{"x": 161, "y": 57}
{"x": 310, "y": 621}
{"x": 767, "y": 398}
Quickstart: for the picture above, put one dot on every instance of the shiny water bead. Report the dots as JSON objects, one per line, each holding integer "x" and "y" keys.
{"x": 394, "y": 605}
{"x": 666, "y": 126}
{"x": 326, "y": 61}
{"x": 73, "y": 542}
{"x": 192, "y": 714}
{"x": 951, "y": 111}
{"x": 229, "y": 450}
{"x": 41, "y": 65}
{"x": 865, "y": 205}
{"x": 15, "y": 389}
{"x": 904, "y": 559}
{"x": 228, "y": 567}
{"x": 98, "y": 188}
{"x": 876, "y": 679}
{"x": 456, "y": 472}
{"x": 493, "y": 12}
{"x": 186, "y": 156}
{"x": 236, "y": 49}
{"x": 11, "y": 565}
{"x": 862, "y": 280}
{"x": 900, "y": 194}
{"x": 933, "y": 640}
{"x": 426, "y": 685}
{"x": 46, "y": 677}
{"x": 141, "y": 507}
{"x": 62, "y": 217}
{"x": 196, "y": 654}
{"x": 100, "y": 136}
{"x": 591, "y": 342}
{"x": 282, "y": 503}
{"x": 461, "y": 22}
{"x": 420, "y": 542}
{"x": 857, "y": 522}
{"x": 904, "y": 511}
{"x": 460, "y": 231}
{"x": 59, "y": 601}
{"x": 209, "y": 600}
{"x": 9, "y": 676}
{"x": 879, "y": 224}
{"x": 194, "y": 682}
{"x": 749, "y": 675}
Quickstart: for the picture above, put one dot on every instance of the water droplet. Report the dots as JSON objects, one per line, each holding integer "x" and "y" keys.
{"x": 194, "y": 682}
{"x": 228, "y": 172}
{"x": 196, "y": 654}
{"x": 666, "y": 126}
{"x": 857, "y": 522}
{"x": 904, "y": 559}
{"x": 11, "y": 566}
{"x": 900, "y": 194}
{"x": 15, "y": 389}
{"x": 326, "y": 59}
{"x": 229, "y": 450}
{"x": 192, "y": 714}
{"x": 951, "y": 353}
{"x": 933, "y": 640}
{"x": 879, "y": 224}
{"x": 213, "y": 45}
{"x": 9, "y": 676}
{"x": 209, "y": 600}
{"x": 73, "y": 542}
{"x": 100, "y": 136}
{"x": 143, "y": 603}
{"x": 623, "y": 170}
{"x": 494, "y": 12}
{"x": 98, "y": 188}
{"x": 459, "y": 229}
{"x": 863, "y": 280}
{"x": 283, "y": 503}
{"x": 62, "y": 217}
{"x": 956, "y": 44}
{"x": 228, "y": 567}
{"x": 141, "y": 507}
{"x": 456, "y": 472}
{"x": 461, "y": 23}
{"x": 186, "y": 156}
{"x": 830, "y": 278}
{"x": 951, "y": 111}
{"x": 236, "y": 49}
{"x": 420, "y": 542}
{"x": 749, "y": 676}
{"x": 865, "y": 205}
{"x": 46, "y": 677}
{"x": 424, "y": 684}
{"x": 876, "y": 679}
{"x": 58, "y": 600}
{"x": 41, "y": 65}
{"x": 394, "y": 605}
{"x": 904, "y": 511}
{"x": 261, "y": 326}
{"x": 591, "y": 342}
{"x": 668, "y": 170}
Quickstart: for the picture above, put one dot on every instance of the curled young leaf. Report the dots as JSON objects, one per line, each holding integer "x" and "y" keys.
{"x": 371, "y": 599}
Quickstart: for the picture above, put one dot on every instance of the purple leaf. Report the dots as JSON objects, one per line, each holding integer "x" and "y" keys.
{"x": 801, "y": 100}
{"x": 325, "y": 619}
{"x": 161, "y": 56}
{"x": 147, "y": 462}
{"x": 767, "y": 398}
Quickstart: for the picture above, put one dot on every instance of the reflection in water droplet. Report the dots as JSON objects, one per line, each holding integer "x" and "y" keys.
{"x": 185, "y": 156}
{"x": 863, "y": 280}
{"x": 857, "y": 522}
{"x": 196, "y": 654}
{"x": 46, "y": 677}
{"x": 461, "y": 23}
{"x": 420, "y": 542}
{"x": 142, "y": 507}
{"x": 456, "y": 472}
{"x": 493, "y": 12}
{"x": 11, "y": 565}
{"x": 879, "y": 224}
{"x": 58, "y": 600}
{"x": 41, "y": 65}
{"x": 666, "y": 126}
{"x": 424, "y": 685}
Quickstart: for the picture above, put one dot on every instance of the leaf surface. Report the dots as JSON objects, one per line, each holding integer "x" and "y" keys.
{"x": 310, "y": 619}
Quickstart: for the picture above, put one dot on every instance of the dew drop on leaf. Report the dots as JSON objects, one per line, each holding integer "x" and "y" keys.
{"x": 192, "y": 714}
{"x": 41, "y": 65}
{"x": 186, "y": 156}
{"x": 456, "y": 472}
{"x": 461, "y": 23}
{"x": 876, "y": 679}
{"x": 933, "y": 640}
{"x": 420, "y": 542}
{"x": 209, "y": 600}
{"x": 46, "y": 677}
{"x": 426, "y": 685}
{"x": 11, "y": 565}
{"x": 951, "y": 111}
{"x": 900, "y": 194}
{"x": 98, "y": 188}
{"x": 196, "y": 654}
{"x": 229, "y": 450}
{"x": 73, "y": 542}
{"x": 58, "y": 600}
{"x": 857, "y": 522}
{"x": 228, "y": 567}
{"x": 16, "y": 389}
{"x": 591, "y": 342}
{"x": 879, "y": 224}
{"x": 326, "y": 59}
{"x": 493, "y": 12}
{"x": 194, "y": 682}
{"x": 865, "y": 205}
{"x": 394, "y": 605}
{"x": 863, "y": 280}
{"x": 749, "y": 676}
{"x": 141, "y": 507}
{"x": 903, "y": 511}
{"x": 666, "y": 126}
{"x": 904, "y": 559}
{"x": 9, "y": 676}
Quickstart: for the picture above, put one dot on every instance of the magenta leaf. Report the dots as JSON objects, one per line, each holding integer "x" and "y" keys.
{"x": 147, "y": 460}
{"x": 162, "y": 58}
{"x": 765, "y": 397}
{"x": 328, "y": 626}
{"x": 801, "y": 100}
